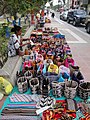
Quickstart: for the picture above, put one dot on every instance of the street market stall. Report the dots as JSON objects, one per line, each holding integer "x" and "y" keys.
{"x": 50, "y": 86}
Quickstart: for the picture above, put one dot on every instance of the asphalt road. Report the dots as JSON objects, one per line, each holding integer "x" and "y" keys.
{"x": 80, "y": 27}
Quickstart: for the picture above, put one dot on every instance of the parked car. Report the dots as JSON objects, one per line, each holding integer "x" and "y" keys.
{"x": 87, "y": 23}
{"x": 63, "y": 15}
{"x": 76, "y": 16}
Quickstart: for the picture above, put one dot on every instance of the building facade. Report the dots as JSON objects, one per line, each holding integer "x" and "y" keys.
{"x": 72, "y": 3}
{"x": 78, "y": 4}
{"x": 86, "y": 4}
{"x": 68, "y": 3}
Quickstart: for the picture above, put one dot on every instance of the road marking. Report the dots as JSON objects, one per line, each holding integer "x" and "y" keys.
{"x": 61, "y": 32}
{"x": 78, "y": 30}
{"x": 78, "y": 39}
{"x": 58, "y": 21}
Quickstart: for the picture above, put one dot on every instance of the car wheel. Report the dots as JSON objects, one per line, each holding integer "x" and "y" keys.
{"x": 88, "y": 28}
{"x": 68, "y": 21}
{"x": 74, "y": 22}
{"x": 60, "y": 17}
{"x": 64, "y": 18}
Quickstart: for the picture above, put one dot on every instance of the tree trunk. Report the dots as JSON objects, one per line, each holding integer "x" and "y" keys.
{"x": 32, "y": 19}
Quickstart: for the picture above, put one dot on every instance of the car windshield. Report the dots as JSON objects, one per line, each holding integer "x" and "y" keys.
{"x": 80, "y": 12}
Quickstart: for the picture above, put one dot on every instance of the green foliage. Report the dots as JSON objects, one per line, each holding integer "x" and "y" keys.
{"x": 13, "y": 7}
{"x": 19, "y": 6}
{"x": 3, "y": 46}
{"x": 3, "y": 7}
{"x": 4, "y": 42}
{"x": 35, "y": 5}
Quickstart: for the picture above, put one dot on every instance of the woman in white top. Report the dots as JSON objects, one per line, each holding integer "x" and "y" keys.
{"x": 15, "y": 41}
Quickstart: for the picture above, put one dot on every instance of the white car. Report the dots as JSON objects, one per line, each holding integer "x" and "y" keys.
{"x": 63, "y": 15}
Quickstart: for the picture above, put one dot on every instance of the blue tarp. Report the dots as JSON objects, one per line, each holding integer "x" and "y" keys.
{"x": 59, "y": 36}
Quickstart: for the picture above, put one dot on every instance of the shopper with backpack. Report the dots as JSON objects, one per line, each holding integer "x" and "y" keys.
{"x": 15, "y": 42}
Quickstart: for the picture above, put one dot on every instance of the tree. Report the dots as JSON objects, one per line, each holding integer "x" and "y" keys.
{"x": 13, "y": 6}
{"x": 20, "y": 6}
{"x": 3, "y": 46}
{"x": 3, "y": 7}
{"x": 35, "y": 5}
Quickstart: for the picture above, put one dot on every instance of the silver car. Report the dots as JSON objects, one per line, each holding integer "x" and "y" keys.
{"x": 63, "y": 15}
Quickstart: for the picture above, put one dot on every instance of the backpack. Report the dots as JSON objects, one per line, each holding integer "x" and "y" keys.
{"x": 11, "y": 47}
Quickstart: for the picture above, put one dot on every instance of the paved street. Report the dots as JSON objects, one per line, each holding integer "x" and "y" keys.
{"x": 79, "y": 42}
{"x": 80, "y": 27}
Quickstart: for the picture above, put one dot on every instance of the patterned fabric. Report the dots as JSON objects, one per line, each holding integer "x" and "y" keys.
{"x": 20, "y": 98}
{"x": 31, "y": 105}
{"x": 16, "y": 117}
{"x": 19, "y": 111}
{"x": 24, "y": 98}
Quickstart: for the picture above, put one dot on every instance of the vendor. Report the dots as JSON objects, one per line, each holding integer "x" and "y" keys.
{"x": 15, "y": 42}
